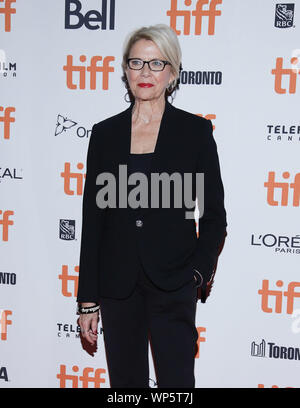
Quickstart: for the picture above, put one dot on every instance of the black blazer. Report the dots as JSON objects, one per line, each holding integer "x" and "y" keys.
{"x": 113, "y": 243}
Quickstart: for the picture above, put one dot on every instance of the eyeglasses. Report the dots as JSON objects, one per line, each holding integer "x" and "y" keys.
{"x": 154, "y": 65}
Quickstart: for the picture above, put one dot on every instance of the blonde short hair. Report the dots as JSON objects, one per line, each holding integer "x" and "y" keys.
{"x": 167, "y": 42}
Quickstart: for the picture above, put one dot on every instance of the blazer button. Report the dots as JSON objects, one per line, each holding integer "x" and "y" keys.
{"x": 139, "y": 223}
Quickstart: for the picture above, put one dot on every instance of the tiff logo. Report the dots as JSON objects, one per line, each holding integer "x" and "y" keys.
{"x": 6, "y": 119}
{"x": 267, "y": 293}
{"x": 66, "y": 278}
{"x": 284, "y": 188}
{"x": 4, "y": 322}
{"x": 291, "y": 73}
{"x": 211, "y": 12}
{"x": 201, "y": 339}
{"x": 91, "y": 18}
{"x": 92, "y": 69}
{"x": 5, "y": 222}
{"x": 7, "y": 11}
{"x": 67, "y": 175}
{"x": 89, "y": 376}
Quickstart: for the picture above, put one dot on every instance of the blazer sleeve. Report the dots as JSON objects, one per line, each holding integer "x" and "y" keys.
{"x": 92, "y": 222}
{"x": 212, "y": 224}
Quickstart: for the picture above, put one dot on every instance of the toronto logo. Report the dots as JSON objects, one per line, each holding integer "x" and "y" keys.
{"x": 272, "y": 350}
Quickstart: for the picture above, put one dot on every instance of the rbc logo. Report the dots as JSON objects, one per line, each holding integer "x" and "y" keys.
{"x": 284, "y": 15}
{"x": 92, "y": 16}
{"x": 67, "y": 230}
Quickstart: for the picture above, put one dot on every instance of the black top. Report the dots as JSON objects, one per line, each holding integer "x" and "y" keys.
{"x": 140, "y": 162}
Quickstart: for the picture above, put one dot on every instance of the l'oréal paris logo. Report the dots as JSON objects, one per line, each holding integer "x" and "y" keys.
{"x": 281, "y": 244}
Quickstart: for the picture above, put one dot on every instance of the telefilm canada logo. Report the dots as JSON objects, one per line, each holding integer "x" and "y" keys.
{"x": 8, "y": 69}
{"x": 64, "y": 124}
{"x": 70, "y": 330}
{"x": 272, "y": 350}
{"x": 67, "y": 229}
{"x": 284, "y": 15}
{"x": 282, "y": 133}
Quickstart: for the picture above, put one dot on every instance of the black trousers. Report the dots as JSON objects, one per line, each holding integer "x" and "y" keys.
{"x": 167, "y": 320}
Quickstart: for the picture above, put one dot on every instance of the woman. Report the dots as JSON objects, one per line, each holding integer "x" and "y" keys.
{"x": 141, "y": 267}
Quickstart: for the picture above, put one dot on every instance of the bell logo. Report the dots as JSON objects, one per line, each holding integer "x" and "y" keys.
{"x": 7, "y": 120}
{"x": 290, "y": 295}
{"x": 67, "y": 175}
{"x": 291, "y": 73}
{"x": 7, "y": 11}
{"x": 88, "y": 377}
{"x": 5, "y": 222}
{"x": 200, "y": 339}
{"x": 93, "y": 68}
{"x": 271, "y": 185}
{"x": 198, "y": 13}
{"x": 92, "y": 16}
{"x": 4, "y": 322}
{"x": 66, "y": 278}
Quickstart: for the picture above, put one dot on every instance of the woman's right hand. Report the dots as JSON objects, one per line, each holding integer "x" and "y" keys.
{"x": 88, "y": 324}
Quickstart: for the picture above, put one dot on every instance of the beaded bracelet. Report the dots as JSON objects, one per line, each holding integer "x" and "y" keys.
{"x": 88, "y": 309}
